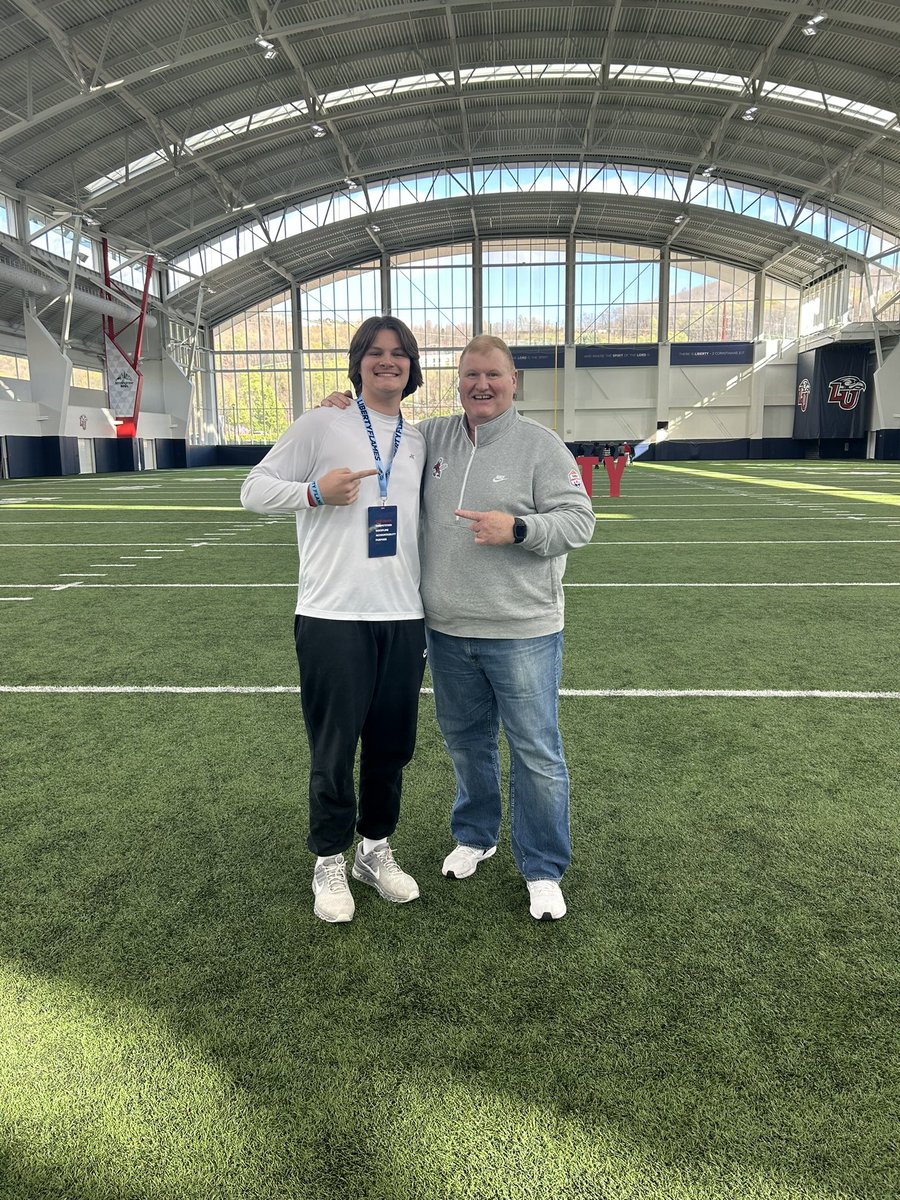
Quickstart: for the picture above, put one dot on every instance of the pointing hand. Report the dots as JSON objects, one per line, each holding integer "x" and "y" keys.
{"x": 490, "y": 528}
{"x": 341, "y": 486}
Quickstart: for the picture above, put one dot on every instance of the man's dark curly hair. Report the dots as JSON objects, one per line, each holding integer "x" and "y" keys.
{"x": 365, "y": 336}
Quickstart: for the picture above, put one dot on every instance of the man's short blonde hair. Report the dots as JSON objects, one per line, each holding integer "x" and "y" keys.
{"x": 486, "y": 341}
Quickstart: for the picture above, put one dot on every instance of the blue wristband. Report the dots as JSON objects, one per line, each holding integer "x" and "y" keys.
{"x": 315, "y": 493}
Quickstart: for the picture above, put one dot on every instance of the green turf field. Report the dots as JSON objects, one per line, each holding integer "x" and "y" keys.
{"x": 715, "y": 1019}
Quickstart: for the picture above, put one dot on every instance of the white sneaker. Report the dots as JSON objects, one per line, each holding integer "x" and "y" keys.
{"x": 333, "y": 899}
{"x": 380, "y": 870}
{"x": 461, "y": 862}
{"x": 547, "y": 903}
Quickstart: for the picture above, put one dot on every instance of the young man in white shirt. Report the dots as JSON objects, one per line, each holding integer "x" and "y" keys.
{"x": 353, "y": 478}
{"x": 502, "y": 504}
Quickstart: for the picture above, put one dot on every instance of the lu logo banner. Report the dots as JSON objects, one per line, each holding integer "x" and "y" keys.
{"x": 832, "y": 391}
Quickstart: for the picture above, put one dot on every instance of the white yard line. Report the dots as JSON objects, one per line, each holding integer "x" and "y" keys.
{"x": 788, "y": 518}
{"x": 83, "y": 586}
{"x": 631, "y": 502}
{"x": 605, "y": 542}
{"x": 105, "y": 545}
{"x": 79, "y": 521}
{"x": 761, "y": 542}
{"x": 576, "y": 693}
{"x": 151, "y": 585}
{"x": 682, "y": 585}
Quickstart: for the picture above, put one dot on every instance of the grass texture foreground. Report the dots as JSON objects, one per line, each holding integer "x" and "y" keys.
{"x": 715, "y": 1019}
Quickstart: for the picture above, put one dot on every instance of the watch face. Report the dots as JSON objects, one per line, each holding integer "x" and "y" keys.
{"x": 519, "y": 531}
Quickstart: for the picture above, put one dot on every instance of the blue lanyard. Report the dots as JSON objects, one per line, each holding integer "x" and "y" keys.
{"x": 384, "y": 473}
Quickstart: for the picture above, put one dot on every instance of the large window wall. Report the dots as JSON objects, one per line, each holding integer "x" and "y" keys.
{"x": 331, "y": 307}
{"x": 885, "y": 280}
{"x": 709, "y": 301}
{"x": 252, "y": 369}
{"x": 431, "y": 290}
{"x": 615, "y": 294}
{"x": 781, "y": 311}
{"x": 525, "y": 291}
{"x": 708, "y": 189}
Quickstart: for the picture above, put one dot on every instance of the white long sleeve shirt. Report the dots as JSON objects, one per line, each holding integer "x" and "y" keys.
{"x": 338, "y": 580}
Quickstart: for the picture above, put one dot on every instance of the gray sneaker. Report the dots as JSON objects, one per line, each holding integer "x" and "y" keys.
{"x": 380, "y": 870}
{"x": 333, "y": 900}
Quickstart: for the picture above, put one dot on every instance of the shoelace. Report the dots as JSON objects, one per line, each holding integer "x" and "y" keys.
{"x": 542, "y": 890}
{"x": 471, "y": 853}
{"x": 335, "y": 876}
{"x": 385, "y": 856}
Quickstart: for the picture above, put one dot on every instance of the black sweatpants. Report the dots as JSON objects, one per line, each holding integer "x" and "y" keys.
{"x": 359, "y": 683}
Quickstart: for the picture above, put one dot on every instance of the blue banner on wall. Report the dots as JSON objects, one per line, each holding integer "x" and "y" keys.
{"x": 710, "y": 354}
{"x": 833, "y": 391}
{"x": 538, "y": 358}
{"x": 617, "y": 356}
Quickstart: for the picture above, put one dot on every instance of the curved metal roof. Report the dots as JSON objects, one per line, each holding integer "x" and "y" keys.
{"x": 88, "y": 86}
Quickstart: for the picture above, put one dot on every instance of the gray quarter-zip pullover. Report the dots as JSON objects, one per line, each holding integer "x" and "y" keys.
{"x": 515, "y": 466}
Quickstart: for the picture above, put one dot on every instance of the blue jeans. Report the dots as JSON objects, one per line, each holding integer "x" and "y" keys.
{"x": 479, "y": 683}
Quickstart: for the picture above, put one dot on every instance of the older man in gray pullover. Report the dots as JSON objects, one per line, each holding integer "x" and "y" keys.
{"x": 502, "y": 504}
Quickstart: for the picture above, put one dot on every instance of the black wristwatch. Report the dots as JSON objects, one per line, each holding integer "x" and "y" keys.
{"x": 520, "y": 530}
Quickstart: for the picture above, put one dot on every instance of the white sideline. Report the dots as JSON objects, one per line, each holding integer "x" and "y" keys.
{"x": 578, "y": 693}
{"x": 664, "y": 585}
{"x": 765, "y": 542}
{"x": 602, "y": 543}
{"x": 84, "y": 586}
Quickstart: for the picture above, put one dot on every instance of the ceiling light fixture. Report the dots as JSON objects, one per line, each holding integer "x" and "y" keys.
{"x": 751, "y": 113}
{"x": 375, "y": 228}
{"x": 269, "y": 48}
{"x": 350, "y": 182}
{"x": 318, "y": 130}
{"x": 811, "y": 28}
{"x": 679, "y": 218}
{"x": 709, "y": 171}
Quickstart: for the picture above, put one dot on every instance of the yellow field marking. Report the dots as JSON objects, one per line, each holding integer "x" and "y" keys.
{"x": 785, "y": 484}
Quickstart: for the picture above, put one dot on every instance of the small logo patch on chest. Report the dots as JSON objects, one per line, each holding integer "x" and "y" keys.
{"x": 439, "y": 468}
